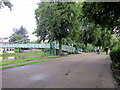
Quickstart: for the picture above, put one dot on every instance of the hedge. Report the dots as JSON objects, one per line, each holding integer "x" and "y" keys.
{"x": 115, "y": 55}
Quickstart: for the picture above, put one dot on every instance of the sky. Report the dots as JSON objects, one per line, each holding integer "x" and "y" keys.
{"x": 22, "y": 14}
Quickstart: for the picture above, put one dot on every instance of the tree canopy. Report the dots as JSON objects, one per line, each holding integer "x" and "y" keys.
{"x": 106, "y": 14}
{"x": 56, "y": 20}
{"x": 19, "y": 36}
{"x": 78, "y": 23}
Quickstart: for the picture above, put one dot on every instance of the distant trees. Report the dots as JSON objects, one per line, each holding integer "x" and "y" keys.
{"x": 19, "y": 36}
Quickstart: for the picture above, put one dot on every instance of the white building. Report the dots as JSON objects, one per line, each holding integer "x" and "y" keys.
{"x": 4, "y": 40}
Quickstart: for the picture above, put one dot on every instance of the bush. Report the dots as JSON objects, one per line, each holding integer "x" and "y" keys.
{"x": 115, "y": 55}
{"x": 18, "y": 50}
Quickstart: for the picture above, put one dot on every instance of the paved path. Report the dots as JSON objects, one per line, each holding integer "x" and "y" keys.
{"x": 87, "y": 70}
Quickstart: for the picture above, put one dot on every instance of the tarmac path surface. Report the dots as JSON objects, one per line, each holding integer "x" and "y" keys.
{"x": 86, "y": 70}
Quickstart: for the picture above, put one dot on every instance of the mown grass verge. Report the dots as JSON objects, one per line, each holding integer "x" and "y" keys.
{"x": 24, "y": 60}
{"x": 22, "y": 64}
{"x": 26, "y": 53}
{"x": 71, "y": 54}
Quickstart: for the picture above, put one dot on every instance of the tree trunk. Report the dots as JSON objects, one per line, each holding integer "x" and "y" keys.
{"x": 86, "y": 45}
{"x": 60, "y": 47}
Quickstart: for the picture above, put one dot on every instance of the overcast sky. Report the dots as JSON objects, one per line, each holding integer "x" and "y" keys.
{"x": 22, "y": 14}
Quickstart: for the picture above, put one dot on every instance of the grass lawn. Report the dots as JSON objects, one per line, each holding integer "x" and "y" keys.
{"x": 27, "y": 53}
{"x": 24, "y": 60}
{"x": 43, "y": 55}
{"x": 22, "y": 64}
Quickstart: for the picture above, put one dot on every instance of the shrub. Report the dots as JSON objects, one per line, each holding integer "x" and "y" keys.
{"x": 18, "y": 50}
{"x": 115, "y": 55}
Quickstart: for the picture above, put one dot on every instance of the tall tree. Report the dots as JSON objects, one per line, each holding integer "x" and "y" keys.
{"x": 19, "y": 36}
{"x": 106, "y": 14}
{"x": 56, "y": 20}
{"x": 88, "y": 33}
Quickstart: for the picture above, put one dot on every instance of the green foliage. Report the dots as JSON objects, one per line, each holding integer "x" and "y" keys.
{"x": 114, "y": 41}
{"x": 19, "y": 36}
{"x": 94, "y": 34}
{"x": 115, "y": 56}
{"x": 118, "y": 78}
{"x": 77, "y": 24}
{"x": 56, "y": 20}
{"x": 106, "y": 14}
{"x": 105, "y": 38}
{"x": 90, "y": 34}
{"x": 90, "y": 48}
{"x": 18, "y": 50}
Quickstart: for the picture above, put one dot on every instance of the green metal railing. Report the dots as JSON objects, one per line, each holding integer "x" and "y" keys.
{"x": 25, "y": 46}
{"x": 41, "y": 46}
